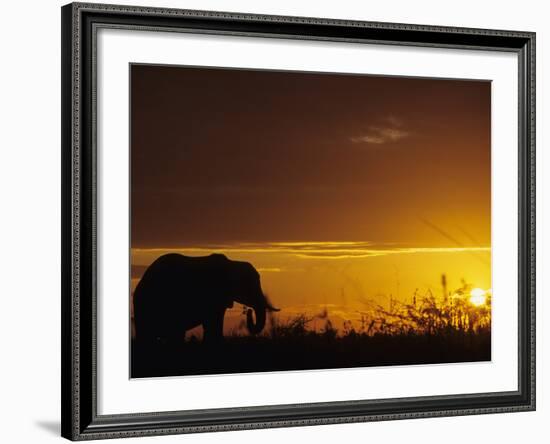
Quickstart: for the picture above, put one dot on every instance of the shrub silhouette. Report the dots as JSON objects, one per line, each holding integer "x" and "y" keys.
{"x": 427, "y": 330}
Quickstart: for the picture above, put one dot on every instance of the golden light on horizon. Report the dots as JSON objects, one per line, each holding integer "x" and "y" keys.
{"x": 478, "y": 297}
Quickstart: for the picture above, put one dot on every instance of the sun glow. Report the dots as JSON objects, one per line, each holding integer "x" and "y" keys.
{"x": 477, "y": 297}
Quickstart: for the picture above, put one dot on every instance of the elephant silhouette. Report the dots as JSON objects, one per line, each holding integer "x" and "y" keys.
{"x": 177, "y": 293}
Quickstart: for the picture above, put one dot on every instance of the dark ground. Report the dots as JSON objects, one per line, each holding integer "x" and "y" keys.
{"x": 242, "y": 354}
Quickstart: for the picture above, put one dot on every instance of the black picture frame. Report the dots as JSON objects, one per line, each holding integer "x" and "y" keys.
{"x": 79, "y": 384}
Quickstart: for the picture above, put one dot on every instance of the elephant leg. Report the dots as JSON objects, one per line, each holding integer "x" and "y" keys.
{"x": 213, "y": 327}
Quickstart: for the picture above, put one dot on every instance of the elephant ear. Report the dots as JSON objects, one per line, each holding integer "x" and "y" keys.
{"x": 218, "y": 257}
{"x": 220, "y": 265}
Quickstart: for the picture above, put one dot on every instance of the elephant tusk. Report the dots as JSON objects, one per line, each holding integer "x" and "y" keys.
{"x": 268, "y": 305}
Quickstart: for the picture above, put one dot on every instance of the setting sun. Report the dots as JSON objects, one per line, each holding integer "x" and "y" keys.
{"x": 477, "y": 297}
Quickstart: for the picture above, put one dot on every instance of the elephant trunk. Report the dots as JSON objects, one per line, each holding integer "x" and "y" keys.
{"x": 255, "y": 327}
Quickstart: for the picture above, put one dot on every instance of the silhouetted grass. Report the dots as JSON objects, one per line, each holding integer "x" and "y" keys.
{"x": 426, "y": 331}
{"x": 239, "y": 354}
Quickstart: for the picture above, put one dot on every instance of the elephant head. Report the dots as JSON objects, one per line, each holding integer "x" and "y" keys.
{"x": 248, "y": 291}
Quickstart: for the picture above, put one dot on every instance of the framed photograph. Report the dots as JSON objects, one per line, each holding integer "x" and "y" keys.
{"x": 280, "y": 221}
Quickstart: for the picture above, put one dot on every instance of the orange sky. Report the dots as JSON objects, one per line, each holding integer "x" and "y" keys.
{"x": 344, "y": 278}
{"x": 338, "y": 188}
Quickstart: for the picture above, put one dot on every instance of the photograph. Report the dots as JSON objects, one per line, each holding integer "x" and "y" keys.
{"x": 292, "y": 220}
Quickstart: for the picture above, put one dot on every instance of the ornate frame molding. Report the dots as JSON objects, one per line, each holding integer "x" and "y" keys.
{"x": 80, "y": 420}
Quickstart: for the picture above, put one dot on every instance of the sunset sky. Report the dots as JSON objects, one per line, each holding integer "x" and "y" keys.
{"x": 340, "y": 189}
